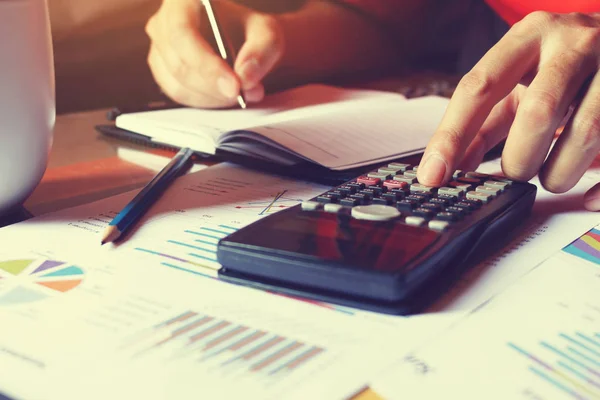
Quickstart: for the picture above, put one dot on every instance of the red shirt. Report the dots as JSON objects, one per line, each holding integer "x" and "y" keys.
{"x": 513, "y": 10}
{"x": 510, "y": 10}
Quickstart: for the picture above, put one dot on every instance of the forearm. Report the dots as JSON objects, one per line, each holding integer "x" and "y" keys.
{"x": 326, "y": 39}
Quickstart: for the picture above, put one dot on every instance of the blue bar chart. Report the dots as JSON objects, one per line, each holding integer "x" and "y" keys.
{"x": 194, "y": 250}
{"x": 570, "y": 363}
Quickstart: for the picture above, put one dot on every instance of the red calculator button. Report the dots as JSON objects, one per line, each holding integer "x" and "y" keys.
{"x": 367, "y": 181}
{"x": 391, "y": 184}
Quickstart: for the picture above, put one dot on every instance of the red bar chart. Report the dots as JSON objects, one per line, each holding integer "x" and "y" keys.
{"x": 224, "y": 345}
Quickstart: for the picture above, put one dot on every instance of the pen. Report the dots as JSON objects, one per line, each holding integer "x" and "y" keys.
{"x": 225, "y": 48}
{"x": 132, "y": 212}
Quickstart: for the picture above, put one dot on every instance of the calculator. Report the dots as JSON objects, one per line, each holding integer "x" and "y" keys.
{"x": 381, "y": 242}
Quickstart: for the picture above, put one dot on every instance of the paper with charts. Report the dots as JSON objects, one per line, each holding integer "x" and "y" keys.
{"x": 146, "y": 320}
{"x": 538, "y": 340}
{"x": 84, "y": 328}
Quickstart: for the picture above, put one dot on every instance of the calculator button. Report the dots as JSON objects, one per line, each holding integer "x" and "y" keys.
{"x": 394, "y": 196}
{"x": 375, "y": 212}
{"x": 472, "y": 181}
{"x": 440, "y": 201}
{"x": 448, "y": 198}
{"x": 406, "y": 205}
{"x": 399, "y": 166}
{"x": 483, "y": 197}
{"x": 367, "y": 181}
{"x": 488, "y": 189}
{"x": 456, "y": 192}
{"x": 497, "y": 184}
{"x": 438, "y": 225}
{"x": 386, "y": 201}
{"x": 378, "y": 190}
{"x": 472, "y": 203}
{"x": 392, "y": 184}
{"x": 367, "y": 193}
{"x": 432, "y": 206}
{"x": 326, "y": 198}
{"x": 447, "y": 216}
{"x": 390, "y": 171}
{"x": 356, "y": 186}
{"x": 333, "y": 208}
{"x": 337, "y": 193}
{"x": 418, "y": 188}
{"x": 418, "y": 197}
{"x": 476, "y": 175}
{"x": 461, "y": 185}
{"x": 415, "y": 221}
{"x": 457, "y": 174}
{"x": 346, "y": 190}
{"x": 360, "y": 197}
{"x": 410, "y": 174}
{"x": 423, "y": 212}
{"x": 502, "y": 179}
{"x": 415, "y": 169}
{"x": 378, "y": 175}
{"x": 457, "y": 210}
{"x": 350, "y": 202}
{"x": 406, "y": 179}
{"x": 310, "y": 205}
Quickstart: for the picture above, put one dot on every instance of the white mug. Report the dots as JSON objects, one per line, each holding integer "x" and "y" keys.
{"x": 27, "y": 98}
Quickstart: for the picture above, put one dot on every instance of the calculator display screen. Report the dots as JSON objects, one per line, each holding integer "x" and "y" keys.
{"x": 383, "y": 246}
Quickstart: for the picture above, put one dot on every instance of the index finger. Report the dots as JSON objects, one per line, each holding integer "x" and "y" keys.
{"x": 492, "y": 79}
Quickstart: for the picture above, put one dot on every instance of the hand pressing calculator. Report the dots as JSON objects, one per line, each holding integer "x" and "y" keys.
{"x": 381, "y": 242}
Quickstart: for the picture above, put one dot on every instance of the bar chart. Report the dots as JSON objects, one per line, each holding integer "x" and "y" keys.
{"x": 224, "y": 347}
{"x": 570, "y": 364}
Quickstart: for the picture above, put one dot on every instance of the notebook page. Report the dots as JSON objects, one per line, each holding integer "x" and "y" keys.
{"x": 352, "y": 136}
{"x": 201, "y": 128}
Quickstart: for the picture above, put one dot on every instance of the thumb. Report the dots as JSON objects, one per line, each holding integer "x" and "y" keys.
{"x": 261, "y": 51}
{"x": 591, "y": 200}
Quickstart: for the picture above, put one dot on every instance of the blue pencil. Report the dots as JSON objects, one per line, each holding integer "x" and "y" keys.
{"x": 133, "y": 211}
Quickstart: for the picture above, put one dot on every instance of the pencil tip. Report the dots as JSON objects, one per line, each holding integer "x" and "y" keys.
{"x": 241, "y": 101}
{"x": 111, "y": 234}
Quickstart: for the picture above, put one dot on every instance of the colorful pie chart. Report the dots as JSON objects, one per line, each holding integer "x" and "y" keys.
{"x": 29, "y": 280}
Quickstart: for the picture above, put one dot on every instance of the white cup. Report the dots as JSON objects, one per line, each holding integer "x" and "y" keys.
{"x": 27, "y": 99}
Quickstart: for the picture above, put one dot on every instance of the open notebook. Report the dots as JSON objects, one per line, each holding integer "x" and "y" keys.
{"x": 332, "y": 127}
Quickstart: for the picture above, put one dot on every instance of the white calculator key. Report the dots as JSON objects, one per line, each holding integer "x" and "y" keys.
{"x": 375, "y": 212}
{"x": 415, "y": 221}
{"x": 438, "y": 225}
{"x": 310, "y": 205}
{"x": 332, "y": 207}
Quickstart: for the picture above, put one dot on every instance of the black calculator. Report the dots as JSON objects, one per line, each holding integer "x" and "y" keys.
{"x": 381, "y": 242}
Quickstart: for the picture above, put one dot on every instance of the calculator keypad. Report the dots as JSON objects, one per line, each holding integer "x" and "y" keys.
{"x": 393, "y": 193}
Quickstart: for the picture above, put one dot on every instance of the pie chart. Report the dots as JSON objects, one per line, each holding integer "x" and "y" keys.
{"x": 30, "y": 280}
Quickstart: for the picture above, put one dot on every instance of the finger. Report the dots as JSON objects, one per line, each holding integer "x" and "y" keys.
{"x": 255, "y": 95}
{"x": 542, "y": 109}
{"x": 190, "y": 58}
{"x": 261, "y": 51}
{"x": 173, "y": 88}
{"x": 492, "y": 79}
{"x": 577, "y": 146}
{"x": 591, "y": 200}
{"x": 493, "y": 131}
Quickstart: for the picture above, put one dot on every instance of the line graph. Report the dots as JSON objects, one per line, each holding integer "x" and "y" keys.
{"x": 278, "y": 202}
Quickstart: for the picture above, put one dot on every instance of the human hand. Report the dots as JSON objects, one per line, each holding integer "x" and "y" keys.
{"x": 187, "y": 68}
{"x": 543, "y": 72}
